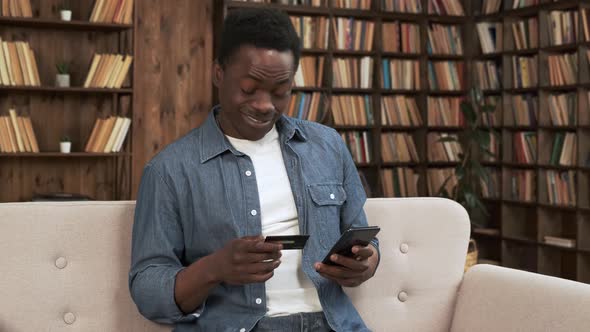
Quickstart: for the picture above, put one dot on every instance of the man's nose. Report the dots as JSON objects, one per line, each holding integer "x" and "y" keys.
{"x": 263, "y": 103}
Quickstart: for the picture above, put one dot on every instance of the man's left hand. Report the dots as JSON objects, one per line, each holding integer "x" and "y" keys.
{"x": 351, "y": 271}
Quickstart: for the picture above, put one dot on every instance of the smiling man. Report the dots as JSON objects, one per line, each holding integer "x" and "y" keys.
{"x": 205, "y": 203}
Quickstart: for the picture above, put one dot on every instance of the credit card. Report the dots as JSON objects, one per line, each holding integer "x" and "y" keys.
{"x": 289, "y": 242}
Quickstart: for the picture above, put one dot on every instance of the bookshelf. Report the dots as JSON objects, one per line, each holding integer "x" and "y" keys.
{"x": 528, "y": 112}
{"x": 382, "y": 93}
{"x": 67, "y": 111}
{"x": 528, "y": 213}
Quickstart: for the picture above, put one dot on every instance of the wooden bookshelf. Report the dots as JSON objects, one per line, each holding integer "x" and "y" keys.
{"x": 379, "y": 17}
{"x": 523, "y": 225}
{"x": 56, "y": 112}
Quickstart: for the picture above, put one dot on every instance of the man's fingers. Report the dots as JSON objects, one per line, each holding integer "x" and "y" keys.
{"x": 353, "y": 264}
{"x": 337, "y": 272}
{"x": 362, "y": 252}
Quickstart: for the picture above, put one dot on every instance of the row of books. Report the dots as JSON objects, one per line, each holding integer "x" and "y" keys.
{"x": 561, "y": 187}
{"x": 353, "y": 34}
{"x": 359, "y": 145}
{"x": 563, "y": 69}
{"x": 16, "y": 8}
{"x": 490, "y": 184}
{"x": 17, "y": 134}
{"x": 585, "y": 25}
{"x": 108, "y": 135}
{"x": 524, "y": 109}
{"x": 310, "y": 72}
{"x": 402, "y": 6}
{"x": 526, "y": 33}
{"x": 563, "y": 26}
{"x": 400, "y": 74}
{"x": 439, "y": 149}
{"x": 444, "y": 39}
{"x": 445, "y": 75}
{"x": 108, "y": 70}
{"x": 400, "y": 110}
{"x": 490, "y": 119}
{"x": 401, "y": 37}
{"x": 522, "y": 185}
{"x": 488, "y": 75}
{"x": 352, "y": 110}
{"x": 398, "y": 147}
{"x": 493, "y": 148}
{"x": 445, "y": 111}
{"x": 524, "y": 72}
{"x": 399, "y": 182}
{"x": 446, "y": 7}
{"x": 307, "y": 106}
{"x": 490, "y": 6}
{"x": 562, "y": 108}
{"x": 312, "y": 31}
{"x": 436, "y": 177}
{"x": 352, "y": 4}
{"x": 490, "y": 37}
{"x": 18, "y": 65}
{"x": 112, "y": 11}
{"x": 564, "y": 150}
{"x": 525, "y": 147}
{"x": 353, "y": 72}
{"x": 524, "y": 3}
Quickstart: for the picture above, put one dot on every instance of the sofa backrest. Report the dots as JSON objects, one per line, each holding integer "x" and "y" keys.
{"x": 65, "y": 265}
{"x": 423, "y": 244}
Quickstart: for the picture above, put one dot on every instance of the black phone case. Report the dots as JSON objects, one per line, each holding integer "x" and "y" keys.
{"x": 351, "y": 237}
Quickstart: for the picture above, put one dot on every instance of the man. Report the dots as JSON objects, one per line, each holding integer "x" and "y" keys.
{"x": 206, "y": 202}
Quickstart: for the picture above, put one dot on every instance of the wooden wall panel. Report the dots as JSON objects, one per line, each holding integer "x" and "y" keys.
{"x": 173, "y": 88}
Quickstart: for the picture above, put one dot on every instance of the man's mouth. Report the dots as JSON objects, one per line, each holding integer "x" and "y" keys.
{"x": 258, "y": 120}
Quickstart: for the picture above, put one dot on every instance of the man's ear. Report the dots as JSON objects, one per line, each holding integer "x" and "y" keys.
{"x": 217, "y": 74}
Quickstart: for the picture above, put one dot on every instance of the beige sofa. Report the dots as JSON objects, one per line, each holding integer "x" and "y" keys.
{"x": 64, "y": 268}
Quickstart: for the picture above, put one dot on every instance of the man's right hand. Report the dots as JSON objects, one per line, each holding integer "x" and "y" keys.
{"x": 246, "y": 260}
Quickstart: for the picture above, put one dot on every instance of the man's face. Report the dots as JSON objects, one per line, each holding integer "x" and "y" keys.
{"x": 254, "y": 90}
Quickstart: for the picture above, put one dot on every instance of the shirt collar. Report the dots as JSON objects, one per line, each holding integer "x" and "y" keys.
{"x": 213, "y": 141}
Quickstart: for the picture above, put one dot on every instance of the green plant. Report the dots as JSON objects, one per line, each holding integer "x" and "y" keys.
{"x": 469, "y": 173}
{"x": 62, "y": 68}
{"x": 65, "y": 139}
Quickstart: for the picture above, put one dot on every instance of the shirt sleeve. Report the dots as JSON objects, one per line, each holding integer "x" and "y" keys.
{"x": 353, "y": 213}
{"x": 156, "y": 250}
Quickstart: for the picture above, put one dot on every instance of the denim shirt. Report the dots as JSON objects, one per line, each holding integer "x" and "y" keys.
{"x": 197, "y": 194}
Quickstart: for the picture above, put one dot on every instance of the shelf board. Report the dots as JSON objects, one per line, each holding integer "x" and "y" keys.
{"x": 445, "y": 128}
{"x": 492, "y": 92}
{"x": 314, "y": 51}
{"x": 401, "y": 128}
{"x": 62, "y": 25}
{"x": 557, "y": 167}
{"x": 572, "y": 87}
{"x": 484, "y": 233}
{"x": 442, "y": 163}
{"x": 357, "y": 13}
{"x": 308, "y": 89}
{"x": 400, "y": 164}
{"x": 519, "y": 165}
{"x": 489, "y": 56}
{"x": 300, "y": 10}
{"x": 11, "y": 88}
{"x": 523, "y": 52}
{"x": 407, "y": 17}
{"x": 65, "y": 155}
{"x": 353, "y": 90}
{"x": 446, "y": 92}
{"x": 343, "y": 52}
{"x": 521, "y": 90}
{"x": 401, "y": 55}
{"x": 570, "y": 47}
{"x": 558, "y": 207}
{"x": 352, "y": 127}
{"x": 532, "y": 204}
{"x": 446, "y": 57}
{"x": 454, "y": 19}
{"x": 520, "y": 240}
{"x": 400, "y": 91}
{"x": 365, "y": 165}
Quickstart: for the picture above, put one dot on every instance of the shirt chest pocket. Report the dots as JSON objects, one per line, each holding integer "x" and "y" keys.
{"x": 326, "y": 203}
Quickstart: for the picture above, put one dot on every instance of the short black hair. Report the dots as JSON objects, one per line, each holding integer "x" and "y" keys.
{"x": 258, "y": 27}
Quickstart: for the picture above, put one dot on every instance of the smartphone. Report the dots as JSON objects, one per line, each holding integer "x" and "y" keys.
{"x": 289, "y": 242}
{"x": 353, "y": 236}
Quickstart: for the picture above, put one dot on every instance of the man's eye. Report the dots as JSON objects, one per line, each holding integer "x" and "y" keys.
{"x": 283, "y": 94}
{"x": 248, "y": 92}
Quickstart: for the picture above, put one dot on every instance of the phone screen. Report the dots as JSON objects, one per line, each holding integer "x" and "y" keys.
{"x": 351, "y": 237}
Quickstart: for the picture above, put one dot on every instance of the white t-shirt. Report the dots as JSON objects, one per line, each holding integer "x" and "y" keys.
{"x": 289, "y": 291}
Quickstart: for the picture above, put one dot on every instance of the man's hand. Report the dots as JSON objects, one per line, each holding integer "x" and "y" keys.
{"x": 351, "y": 271}
{"x": 246, "y": 260}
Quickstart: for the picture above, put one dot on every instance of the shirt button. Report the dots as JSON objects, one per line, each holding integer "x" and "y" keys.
{"x": 242, "y": 330}
{"x": 253, "y": 212}
{"x": 402, "y": 296}
{"x": 404, "y": 248}
{"x": 248, "y": 173}
{"x": 332, "y": 196}
{"x": 258, "y": 300}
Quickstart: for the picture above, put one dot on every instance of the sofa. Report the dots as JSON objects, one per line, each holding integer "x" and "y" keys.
{"x": 64, "y": 268}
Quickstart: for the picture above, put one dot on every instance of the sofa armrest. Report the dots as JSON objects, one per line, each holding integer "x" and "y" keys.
{"x": 494, "y": 298}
